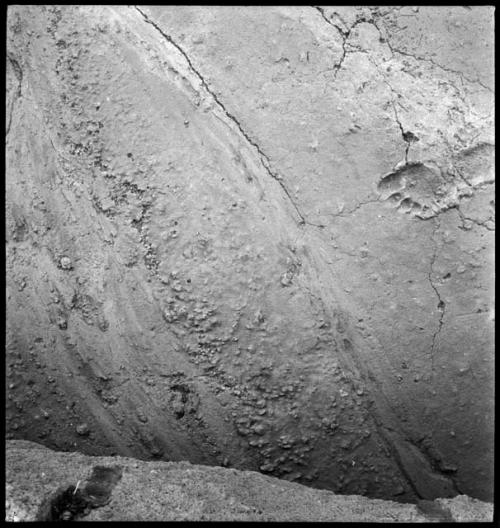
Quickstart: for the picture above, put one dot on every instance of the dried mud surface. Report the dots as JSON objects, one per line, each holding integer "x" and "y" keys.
{"x": 255, "y": 237}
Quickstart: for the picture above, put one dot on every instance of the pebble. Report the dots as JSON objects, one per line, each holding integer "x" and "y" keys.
{"x": 259, "y": 429}
{"x": 82, "y": 429}
{"x": 142, "y": 417}
{"x": 65, "y": 263}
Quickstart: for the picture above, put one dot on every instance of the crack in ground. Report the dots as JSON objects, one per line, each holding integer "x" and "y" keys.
{"x": 354, "y": 209}
{"x": 394, "y": 50}
{"x": 321, "y": 11}
{"x": 403, "y": 133}
{"x": 345, "y": 36}
{"x": 444, "y": 68}
{"x": 441, "y": 304}
{"x": 342, "y": 213}
{"x": 377, "y": 414}
{"x": 19, "y": 75}
{"x": 474, "y": 221}
{"x": 406, "y": 135}
{"x": 263, "y": 158}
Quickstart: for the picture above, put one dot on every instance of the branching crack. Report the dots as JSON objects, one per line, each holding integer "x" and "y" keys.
{"x": 407, "y": 136}
{"x": 486, "y": 224}
{"x": 321, "y": 11}
{"x": 441, "y": 306}
{"x": 346, "y": 33}
{"x": 403, "y": 133}
{"x": 444, "y": 68}
{"x": 19, "y": 75}
{"x": 462, "y": 76}
{"x": 264, "y": 159}
{"x": 384, "y": 38}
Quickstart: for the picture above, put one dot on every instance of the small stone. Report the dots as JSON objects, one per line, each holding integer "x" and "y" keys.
{"x": 142, "y": 417}
{"x": 102, "y": 323}
{"x": 83, "y": 429}
{"x": 65, "y": 263}
{"x": 259, "y": 429}
{"x": 107, "y": 204}
{"x": 178, "y": 408}
{"x": 286, "y": 279}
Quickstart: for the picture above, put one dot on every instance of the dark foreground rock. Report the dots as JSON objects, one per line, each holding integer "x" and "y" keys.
{"x": 256, "y": 237}
{"x": 37, "y": 479}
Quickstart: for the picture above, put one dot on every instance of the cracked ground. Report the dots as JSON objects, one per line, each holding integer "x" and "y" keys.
{"x": 255, "y": 237}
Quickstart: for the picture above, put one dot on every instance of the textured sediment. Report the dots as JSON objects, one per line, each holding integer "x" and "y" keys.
{"x": 255, "y": 237}
{"x": 45, "y": 485}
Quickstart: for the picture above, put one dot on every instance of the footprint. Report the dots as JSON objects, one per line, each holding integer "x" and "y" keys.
{"x": 406, "y": 205}
{"x": 416, "y": 189}
{"x": 390, "y": 184}
{"x": 395, "y": 198}
{"x": 416, "y": 208}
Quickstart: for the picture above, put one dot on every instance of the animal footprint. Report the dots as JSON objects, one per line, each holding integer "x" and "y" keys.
{"x": 416, "y": 189}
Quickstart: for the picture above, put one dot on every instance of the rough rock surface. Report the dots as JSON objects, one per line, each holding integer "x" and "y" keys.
{"x": 257, "y": 237}
{"x": 37, "y": 479}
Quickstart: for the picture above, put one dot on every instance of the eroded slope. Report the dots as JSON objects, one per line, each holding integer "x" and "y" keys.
{"x": 252, "y": 241}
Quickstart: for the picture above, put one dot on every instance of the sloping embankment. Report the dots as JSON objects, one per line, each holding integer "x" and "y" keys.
{"x": 173, "y": 491}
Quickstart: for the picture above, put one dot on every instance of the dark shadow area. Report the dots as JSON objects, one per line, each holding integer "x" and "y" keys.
{"x": 71, "y": 504}
{"x": 65, "y": 505}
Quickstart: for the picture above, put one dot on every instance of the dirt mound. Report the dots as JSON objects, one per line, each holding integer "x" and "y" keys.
{"x": 47, "y": 485}
{"x": 255, "y": 237}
